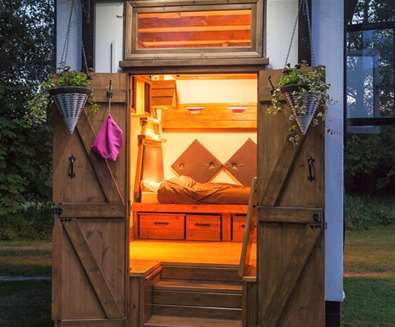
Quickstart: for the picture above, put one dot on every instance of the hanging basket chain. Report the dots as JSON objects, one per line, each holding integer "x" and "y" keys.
{"x": 307, "y": 14}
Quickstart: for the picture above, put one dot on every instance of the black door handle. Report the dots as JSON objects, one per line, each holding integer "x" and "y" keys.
{"x": 72, "y": 160}
{"x": 311, "y": 164}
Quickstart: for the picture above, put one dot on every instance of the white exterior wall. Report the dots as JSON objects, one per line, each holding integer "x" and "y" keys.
{"x": 281, "y": 14}
{"x": 328, "y": 41}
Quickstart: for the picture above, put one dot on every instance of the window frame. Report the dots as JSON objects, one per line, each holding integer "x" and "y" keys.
{"x": 132, "y": 53}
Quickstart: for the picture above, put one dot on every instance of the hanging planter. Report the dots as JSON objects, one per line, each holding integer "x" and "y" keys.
{"x": 306, "y": 93}
{"x": 70, "y": 91}
{"x": 304, "y": 105}
{"x": 70, "y": 101}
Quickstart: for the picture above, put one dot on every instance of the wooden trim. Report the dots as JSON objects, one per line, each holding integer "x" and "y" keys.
{"x": 288, "y": 282}
{"x": 91, "y": 323}
{"x": 92, "y": 269}
{"x": 250, "y": 303}
{"x": 190, "y": 208}
{"x": 292, "y": 215}
{"x": 101, "y": 167}
{"x": 204, "y": 63}
{"x": 89, "y": 210}
{"x": 57, "y": 258}
{"x": 248, "y": 231}
{"x": 155, "y": 3}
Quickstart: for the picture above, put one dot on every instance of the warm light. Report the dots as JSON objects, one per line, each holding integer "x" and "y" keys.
{"x": 195, "y": 110}
{"x": 238, "y": 109}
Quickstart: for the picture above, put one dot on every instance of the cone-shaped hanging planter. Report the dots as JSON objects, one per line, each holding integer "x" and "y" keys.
{"x": 70, "y": 101}
{"x": 305, "y": 116}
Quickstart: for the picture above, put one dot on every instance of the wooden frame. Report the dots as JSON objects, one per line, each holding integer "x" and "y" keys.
{"x": 134, "y": 57}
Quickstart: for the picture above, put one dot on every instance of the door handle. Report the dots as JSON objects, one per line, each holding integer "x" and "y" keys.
{"x": 72, "y": 161}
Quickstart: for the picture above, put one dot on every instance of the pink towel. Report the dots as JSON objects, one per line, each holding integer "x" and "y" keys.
{"x": 109, "y": 139}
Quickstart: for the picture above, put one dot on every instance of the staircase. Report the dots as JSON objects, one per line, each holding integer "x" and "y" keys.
{"x": 196, "y": 296}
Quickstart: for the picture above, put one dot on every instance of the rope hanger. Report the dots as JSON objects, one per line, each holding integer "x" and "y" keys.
{"x": 65, "y": 51}
{"x": 304, "y": 9}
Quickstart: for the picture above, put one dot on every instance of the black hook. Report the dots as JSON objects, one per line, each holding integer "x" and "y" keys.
{"x": 109, "y": 90}
{"x": 311, "y": 164}
{"x": 72, "y": 160}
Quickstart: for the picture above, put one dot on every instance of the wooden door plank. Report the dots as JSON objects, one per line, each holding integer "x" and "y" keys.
{"x": 92, "y": 210}
{"x": 288, "y": 282}
{"x": 291, "y": 215}
{"x": 280, "y": 173}
{"x": 92, "y": 323}
{"x": 100, "y": 166}
{"x": 92, "y": 269}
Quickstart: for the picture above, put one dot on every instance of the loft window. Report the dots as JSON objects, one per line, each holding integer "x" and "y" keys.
{"x": 208, "y": 30}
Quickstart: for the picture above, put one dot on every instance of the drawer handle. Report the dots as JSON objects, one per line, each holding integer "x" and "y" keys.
{"x": 161, "y": 223}
{"x": 202, "y": 225}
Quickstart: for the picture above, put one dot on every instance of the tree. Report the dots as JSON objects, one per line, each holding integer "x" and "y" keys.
{"x": 27, "y": 57}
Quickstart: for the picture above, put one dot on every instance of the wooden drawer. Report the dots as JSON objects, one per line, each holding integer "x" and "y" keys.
{"x": 203, "y": 227}
{"x": 161, "y": 226}
{"x": 238, "y": 226}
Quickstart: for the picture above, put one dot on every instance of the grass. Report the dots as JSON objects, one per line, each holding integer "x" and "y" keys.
{"x": 25, "y": 258}
{"x": 25, "y": 304}
{"x": 369, "y": 283}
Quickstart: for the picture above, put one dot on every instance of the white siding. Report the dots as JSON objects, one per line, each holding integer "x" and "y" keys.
{"x": 328, "y": 39}
{"x": 281, "y": 16}
{"x": 109, "y": 36}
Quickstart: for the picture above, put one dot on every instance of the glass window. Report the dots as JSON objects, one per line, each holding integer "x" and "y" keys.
{"x": 370, "y": 73}
{"x": 370, "y": 59}
{"x": 195, "y": 29}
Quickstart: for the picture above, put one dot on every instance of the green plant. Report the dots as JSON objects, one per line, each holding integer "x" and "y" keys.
{"x": 67, "y": 78}
{"x": 301, "y": 81}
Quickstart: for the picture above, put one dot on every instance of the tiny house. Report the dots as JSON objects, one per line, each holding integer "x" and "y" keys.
{"x": 209, "y": 216}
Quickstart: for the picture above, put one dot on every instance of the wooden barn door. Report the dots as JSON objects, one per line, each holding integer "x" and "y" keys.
{"x": 290, "y": 200}
{"x": 90, "y": 234}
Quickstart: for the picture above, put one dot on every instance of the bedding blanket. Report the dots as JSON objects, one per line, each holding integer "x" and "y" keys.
{"x": 184, "y": 189}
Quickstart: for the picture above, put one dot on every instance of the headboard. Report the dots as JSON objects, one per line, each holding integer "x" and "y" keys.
{"x": 149, "y": 163}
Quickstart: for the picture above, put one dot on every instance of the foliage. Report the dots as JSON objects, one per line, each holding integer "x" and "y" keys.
{"x": 42, "y": 99}
{"x": 370, "y": 161}
{"x": 27, "y": 58}
{"x": 304, "y": 82}
{"x": 362, "y": 212}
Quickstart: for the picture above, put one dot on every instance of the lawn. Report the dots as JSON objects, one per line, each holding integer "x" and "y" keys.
{"x": 370, "y": 278}
{"x": 369, "y": 282}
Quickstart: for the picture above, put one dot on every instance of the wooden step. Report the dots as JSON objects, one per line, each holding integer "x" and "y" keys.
{"x": 173, "y": 321}
{"x": 225, "y": 273}
{"x": 197, "y": 293}
{"x": 197, "y": 311}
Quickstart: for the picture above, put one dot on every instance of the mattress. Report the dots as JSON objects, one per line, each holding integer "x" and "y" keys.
{"x": 184, "y": 189}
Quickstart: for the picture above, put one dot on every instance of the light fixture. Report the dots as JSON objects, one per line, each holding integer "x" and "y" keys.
{"x": 195, "y": 110}
{"x": 237, "y": 109}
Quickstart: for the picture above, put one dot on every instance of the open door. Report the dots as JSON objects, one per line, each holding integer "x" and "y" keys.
{"x": 89, "y": 240}
{"x": 290, "y": 220}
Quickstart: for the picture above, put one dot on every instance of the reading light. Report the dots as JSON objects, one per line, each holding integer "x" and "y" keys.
{"x": 238, "y": 109}
{"x": 195, "y": 110}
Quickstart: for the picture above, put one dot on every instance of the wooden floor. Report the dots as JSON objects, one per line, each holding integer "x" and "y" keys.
{"x": 144, "y": 253}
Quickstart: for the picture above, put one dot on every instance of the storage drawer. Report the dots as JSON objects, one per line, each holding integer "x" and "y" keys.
{"x": 203, "y": 227}
{"x": 161, "y": 226}
{"x": 238, "y": 227}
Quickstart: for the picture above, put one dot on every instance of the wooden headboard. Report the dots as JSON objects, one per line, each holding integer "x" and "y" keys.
{"x": 149, "y": 163}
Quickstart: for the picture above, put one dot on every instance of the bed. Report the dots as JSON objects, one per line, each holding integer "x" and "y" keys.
{"x": 182, "y": 208}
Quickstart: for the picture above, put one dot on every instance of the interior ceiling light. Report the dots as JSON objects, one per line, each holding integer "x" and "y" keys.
{"x": 195, "y": 110}
{"x": 238, "y": 109}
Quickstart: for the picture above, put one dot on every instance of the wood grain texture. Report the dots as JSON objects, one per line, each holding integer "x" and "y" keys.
{"x": 203, "y": 228}
{"x": 92, "y": 269}
{"x": 161, "y": 226}
{"x": 94, "y": 199}
{"x": 290, "y": 241}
